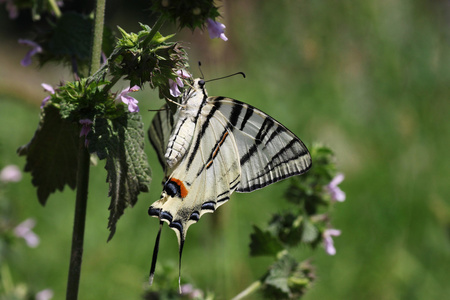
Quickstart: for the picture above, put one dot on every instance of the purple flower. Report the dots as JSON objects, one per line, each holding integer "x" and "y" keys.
{"x": 216, "y": 29}
{"x": 174, "y": 91}
{"x": 328, "y": 241}
{"x": 128, "y": 100}
{"x": 26, "y": 61}
{"x": 85, "y": 130}
{"x": 11, "y": 8}
{"x": 46, "y": 294}
{"x": 336, "y": 193}
{"x": 10, "y": 173}
{"x": 49, "y": 89}
{"x": 24, "y": 231}
{"x": 188, "y": 290}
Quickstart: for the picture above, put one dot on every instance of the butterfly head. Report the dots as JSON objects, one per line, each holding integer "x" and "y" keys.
{"x": 197, "y": 89}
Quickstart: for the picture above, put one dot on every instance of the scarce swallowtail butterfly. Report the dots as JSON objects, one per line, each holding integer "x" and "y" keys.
{"x": 212, "y": 147}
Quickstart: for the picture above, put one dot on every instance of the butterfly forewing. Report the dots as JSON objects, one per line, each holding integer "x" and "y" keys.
{"x": 268, "y": 151}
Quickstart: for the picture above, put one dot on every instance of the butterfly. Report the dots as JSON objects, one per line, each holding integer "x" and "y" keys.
{"x": 212, "y": 147}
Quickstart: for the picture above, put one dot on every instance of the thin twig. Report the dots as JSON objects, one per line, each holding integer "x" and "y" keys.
{"x": 249, "y": 290}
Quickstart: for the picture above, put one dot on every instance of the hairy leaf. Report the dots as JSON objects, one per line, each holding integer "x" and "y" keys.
{"x": 121, "y": 142}
{"x": 279, "y": 274}
{"x": 52, "y": 154}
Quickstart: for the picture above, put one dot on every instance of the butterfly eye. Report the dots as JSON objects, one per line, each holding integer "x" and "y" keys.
{"x": 201, "y": 83}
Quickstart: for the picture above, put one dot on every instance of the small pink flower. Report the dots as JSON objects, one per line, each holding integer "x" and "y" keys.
{"x": 216, "y": 29}
{"x": 174, "y": 91}
{"x": 336, "y": 193}
{"x": 46, "y": 294}
{"x": 328, "y": 241}
{"x": 190, "y": 292}
{"x": 10, "y": 173}
{"x": 26, "y": 61}
{"x": 128, "y": 100}
{"x": 23, "y": 230}
{"x": 48, "y": 88}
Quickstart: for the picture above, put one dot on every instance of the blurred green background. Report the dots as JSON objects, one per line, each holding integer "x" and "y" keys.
{"x": 370, "y": 79}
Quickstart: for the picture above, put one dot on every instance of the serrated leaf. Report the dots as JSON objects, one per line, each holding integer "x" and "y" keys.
{"x": 121, "y": 142}
{"x": 288, "y": 278}
{"x": 264, "y": 243}
{"x": 280, "y": 272}
{"x": 52, "y": 154}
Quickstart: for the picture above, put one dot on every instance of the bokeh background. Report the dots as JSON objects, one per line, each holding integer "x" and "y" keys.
{"x": 370, "y": 79}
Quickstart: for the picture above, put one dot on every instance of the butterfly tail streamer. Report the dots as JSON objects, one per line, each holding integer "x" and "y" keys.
{"x": 179, "y": 265}
{"x": 155, "y": 255}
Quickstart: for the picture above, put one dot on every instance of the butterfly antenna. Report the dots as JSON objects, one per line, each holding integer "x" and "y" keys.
{"x": 237, "y": 73}
{"x": 200, "y": 68}
{"x": 155, "y": 255}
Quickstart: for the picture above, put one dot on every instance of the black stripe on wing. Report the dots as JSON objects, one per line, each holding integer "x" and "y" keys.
{"x": 232, "y": 120}
{"x": 270, "y": 151}
{"x": 159, "y": 132}
{"x": 266, "y": 126}
{"x": 198, "y": 139}
{"x": 271, "y": 168}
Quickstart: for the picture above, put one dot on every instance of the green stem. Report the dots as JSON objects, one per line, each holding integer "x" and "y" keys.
{"x": 55, "y": 8}
{"x": 111, "y": 83}
{"x": 97, "y": 38}
{"x": 249, "y": 290}
{"x": 159, "y": 23}
{"x": 76, "y": 256}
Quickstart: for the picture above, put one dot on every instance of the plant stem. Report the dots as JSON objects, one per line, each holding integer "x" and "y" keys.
{"x": 76, "y": 255}
{"x": 97, "y": 38}
{"x": 55, "y": 8}
{"x": 159, "y": 23}
{"x": 249, "y": 290}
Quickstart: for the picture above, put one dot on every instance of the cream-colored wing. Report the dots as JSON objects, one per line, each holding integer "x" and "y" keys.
{"x": 160, "y": 131}
{"x": 205, "y": 177}
{"x": 268, "y": 151}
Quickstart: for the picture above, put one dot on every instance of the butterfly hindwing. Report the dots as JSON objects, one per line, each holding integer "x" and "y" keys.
{"x": 193, "y": 188}
{"x": 160, "y": 131}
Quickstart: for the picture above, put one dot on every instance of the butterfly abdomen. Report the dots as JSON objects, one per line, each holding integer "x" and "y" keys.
{"x": 179, "y": 141}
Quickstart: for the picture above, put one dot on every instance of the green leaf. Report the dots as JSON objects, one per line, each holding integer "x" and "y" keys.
{"x": 264, "y": 243}
{"x": 310, "y": 232}
{"x": 71, "y": 36}
{"x": 121, "y": 142}
{"x": 52, "y": 154}
{"x": 280, "y": 272}
{"x": 288, "y": 279}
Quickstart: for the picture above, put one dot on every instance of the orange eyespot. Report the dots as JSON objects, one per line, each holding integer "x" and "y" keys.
{"x": 180, "y": 184}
